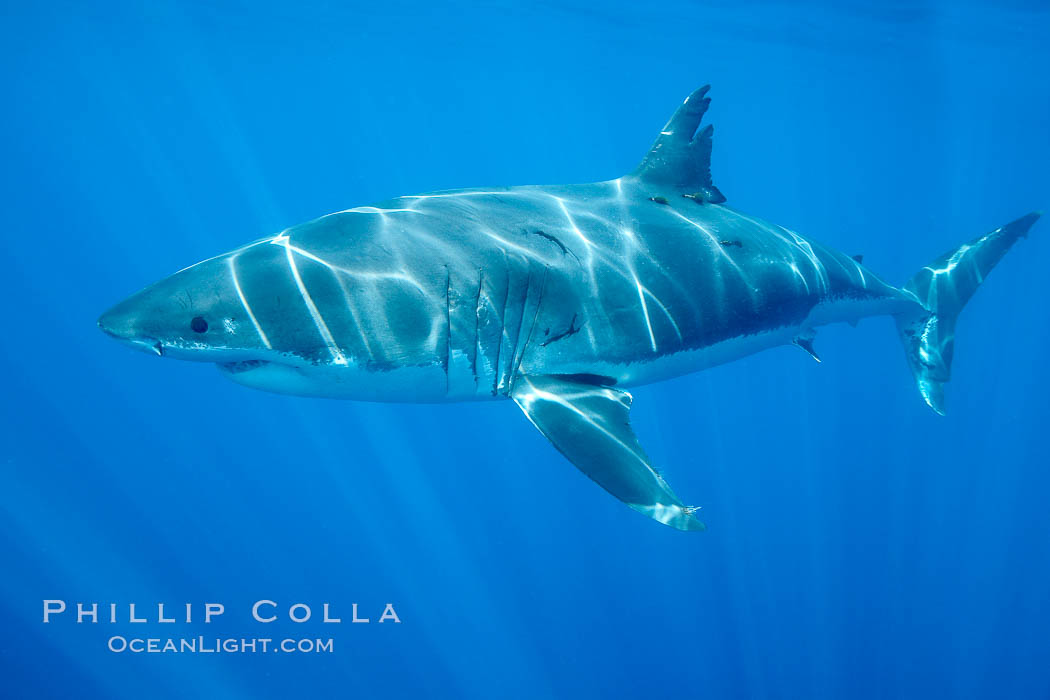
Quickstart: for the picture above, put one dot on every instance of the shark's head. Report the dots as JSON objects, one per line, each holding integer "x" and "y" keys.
{"x": 250, "y": 313}
{"x": 216, "y": 311}
{"x": 196, "y": 314}
{"x": 301, "y": 313}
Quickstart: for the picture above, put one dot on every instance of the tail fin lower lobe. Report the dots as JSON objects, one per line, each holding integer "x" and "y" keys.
{"x": 942, "y": 288}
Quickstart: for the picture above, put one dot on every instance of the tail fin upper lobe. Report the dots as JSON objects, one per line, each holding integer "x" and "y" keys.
{"x": 942, "y": 288}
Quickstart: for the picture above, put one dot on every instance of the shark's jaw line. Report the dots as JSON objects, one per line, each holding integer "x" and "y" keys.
{"x": 230, "y": 360}
{"x": 241, "y": 366}
{"x": 275, "y": 376}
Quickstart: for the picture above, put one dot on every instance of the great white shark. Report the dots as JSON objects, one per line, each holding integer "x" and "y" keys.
{"x": 558, "y": 297}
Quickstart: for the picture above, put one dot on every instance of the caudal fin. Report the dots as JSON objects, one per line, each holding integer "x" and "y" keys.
{"x": 942, "y": 288}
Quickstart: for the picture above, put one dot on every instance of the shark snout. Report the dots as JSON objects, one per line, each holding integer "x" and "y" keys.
{"x": 122, "y": 327}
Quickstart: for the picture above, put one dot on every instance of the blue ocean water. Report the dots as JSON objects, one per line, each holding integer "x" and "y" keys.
{"x": 859, "y": 546}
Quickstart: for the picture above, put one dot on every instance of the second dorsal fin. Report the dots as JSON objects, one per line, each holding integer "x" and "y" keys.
{"x": 681, "y": 156}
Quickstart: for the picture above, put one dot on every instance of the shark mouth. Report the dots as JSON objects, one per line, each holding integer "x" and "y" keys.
{"x": 273, "y": 375}
{"x": 242, "y": 366}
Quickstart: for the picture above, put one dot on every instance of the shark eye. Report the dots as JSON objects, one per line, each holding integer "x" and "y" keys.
{"x": 198, "y": 324}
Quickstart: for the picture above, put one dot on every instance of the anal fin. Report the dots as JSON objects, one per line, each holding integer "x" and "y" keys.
{"x": 590, "y": 425}
{"x": 805, "y": 341}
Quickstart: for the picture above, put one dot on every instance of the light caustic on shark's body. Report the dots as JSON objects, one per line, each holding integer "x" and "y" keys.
{"x": 557, "y": 297}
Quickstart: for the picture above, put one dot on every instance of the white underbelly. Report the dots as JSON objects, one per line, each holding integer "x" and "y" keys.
{"x": 688, "y": 361}
{"x": 412, "y": 384}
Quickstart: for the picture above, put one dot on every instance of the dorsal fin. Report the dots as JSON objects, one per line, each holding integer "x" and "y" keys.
{"x": 681, "y": 156}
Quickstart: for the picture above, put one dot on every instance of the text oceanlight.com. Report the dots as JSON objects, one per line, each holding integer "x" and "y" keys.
{"x": 218, "y": 645}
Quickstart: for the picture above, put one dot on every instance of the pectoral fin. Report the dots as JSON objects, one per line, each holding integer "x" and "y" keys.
{"x": 590, "y": 425}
